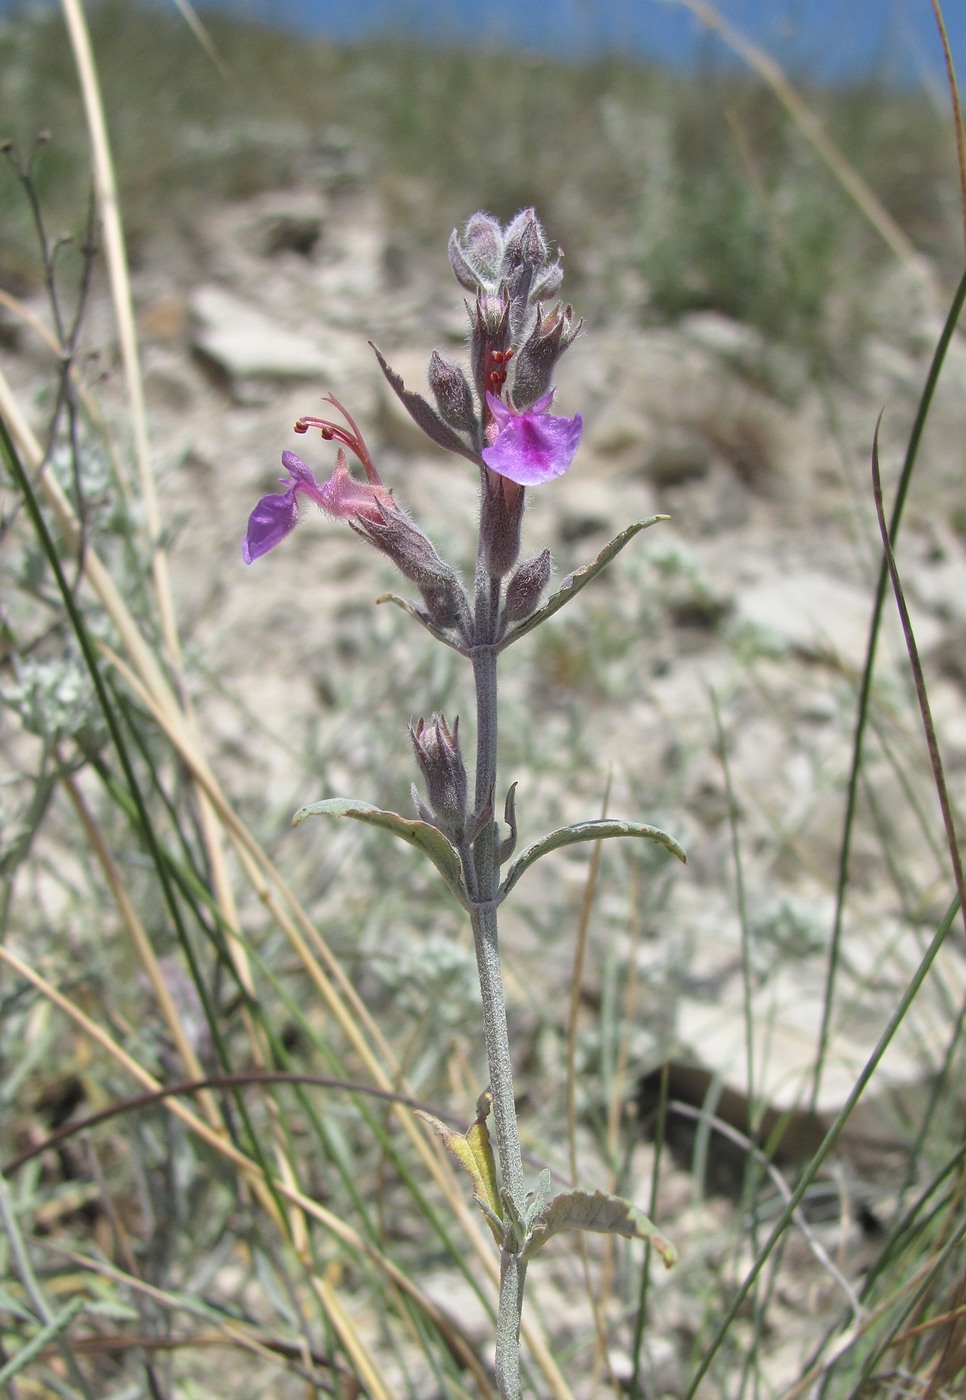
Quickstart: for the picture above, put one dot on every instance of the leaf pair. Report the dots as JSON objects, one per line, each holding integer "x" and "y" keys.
{"x": 546, "y": 1215}
{"x": 431, "y": 841}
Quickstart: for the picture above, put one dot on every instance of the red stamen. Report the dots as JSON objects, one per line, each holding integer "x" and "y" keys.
{"x": 497, "y": 376}
{"x": 350, "y": 437}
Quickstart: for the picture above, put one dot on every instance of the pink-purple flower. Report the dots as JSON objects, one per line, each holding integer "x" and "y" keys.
{"x": 275, "y": 516}
{"x": 531, "y": 447}
{"x": 342, "y": 495}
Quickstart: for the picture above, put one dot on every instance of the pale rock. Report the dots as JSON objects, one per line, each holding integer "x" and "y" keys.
{"x": 244, "y": 343}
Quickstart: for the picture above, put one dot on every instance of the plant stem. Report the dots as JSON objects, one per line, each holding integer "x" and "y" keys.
{"x": 482, "y": 870}
{"x": 497, "y": 1039}
{"x": 513, "y": 1272}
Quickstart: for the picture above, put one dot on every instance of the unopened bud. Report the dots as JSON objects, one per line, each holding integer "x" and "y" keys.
{"x": 547, "y": 283}
{"x": 525, "y": 587}
{"x": 524, "y": 242}
{"x": 437, "y": 750}
{"x": 452, "y": 392}
{"x": 476, "y": 257}
{"x": 491, "y": 317}
{"x": 538, "y": 356}
{"x": 483, "y": 241}
{"x": 489, "y": 337}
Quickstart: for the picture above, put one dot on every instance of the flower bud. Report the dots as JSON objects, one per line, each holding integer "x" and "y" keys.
{"x": 452, "y": 392}
{"x": 525, "y": 587}
{"x": 475, "y": 258}
{"x": 537, "y": 358}
{"x": 491, "y": 318}
{"x": 547, "y": 283}
{"x": 437, "y": 751}
{"x": 483, "y": 242}
{"x": 524, "y": 242}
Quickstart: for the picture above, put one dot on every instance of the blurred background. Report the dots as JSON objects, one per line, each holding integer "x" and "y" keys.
{"x": 892, "y": 40}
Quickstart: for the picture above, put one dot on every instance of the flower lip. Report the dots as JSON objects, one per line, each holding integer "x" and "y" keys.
{"x": 531, "y": 447}
{"x": 276, "y": 516}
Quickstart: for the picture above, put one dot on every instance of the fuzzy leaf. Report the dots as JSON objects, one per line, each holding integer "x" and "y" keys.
{"x": 474, "y": 1153}
{"x": 424, "y": 837}
{"x": 579, "y": 579}
{"x": 425, "y": 416}
{"x": 587, "y": 831}
{"x": 603, "y": 1214}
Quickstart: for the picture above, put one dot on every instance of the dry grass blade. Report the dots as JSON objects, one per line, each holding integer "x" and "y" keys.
{"x": 115, "y": 252}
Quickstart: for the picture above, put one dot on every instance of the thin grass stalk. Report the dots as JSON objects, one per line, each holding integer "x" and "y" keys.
{"x": 910, "y": 1295}
{"x": 115, "y": 253}
{"x": 645, "y": 1285}
{"x": 229, "y": 1332}
{"x": 142, "y": 944}
{"x": 573, "y": 1013}
{"x": 24, "y": 1270}
{"x": 865, "y": 690}
{"x": 355, "y": 1348}
{"x": 616, "y": 1105}
{"x": 751, "y": 1175}
{"x": 929, "y": 728}
{"x": 959, "y": 128}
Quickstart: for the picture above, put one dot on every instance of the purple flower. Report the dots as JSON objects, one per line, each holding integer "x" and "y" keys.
{"x": 531, "y": 447}
{"x": 276, "y": 516}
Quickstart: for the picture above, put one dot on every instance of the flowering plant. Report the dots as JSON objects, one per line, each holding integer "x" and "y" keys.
{"x": 507, "y": 431}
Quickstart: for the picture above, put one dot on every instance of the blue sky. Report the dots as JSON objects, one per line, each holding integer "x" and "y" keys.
{"x": 816, "y": 38}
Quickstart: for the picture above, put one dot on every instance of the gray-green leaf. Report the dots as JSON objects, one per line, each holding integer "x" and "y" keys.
{"x": 574, "y": 582}
{"x": 424, "y": 837}
{"x": 587, "y": 831}
{"x": 605, "y": 1215}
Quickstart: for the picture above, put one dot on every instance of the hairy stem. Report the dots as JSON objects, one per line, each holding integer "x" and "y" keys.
{"x": 483, "y": 874}
{"x": 513, "y": 1272}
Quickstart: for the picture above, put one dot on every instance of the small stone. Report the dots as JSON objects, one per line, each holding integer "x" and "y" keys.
{"x": 242, "y": 342}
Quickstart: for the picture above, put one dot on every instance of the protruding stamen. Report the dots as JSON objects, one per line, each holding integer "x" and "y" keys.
{"x": 350, "y": 437}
